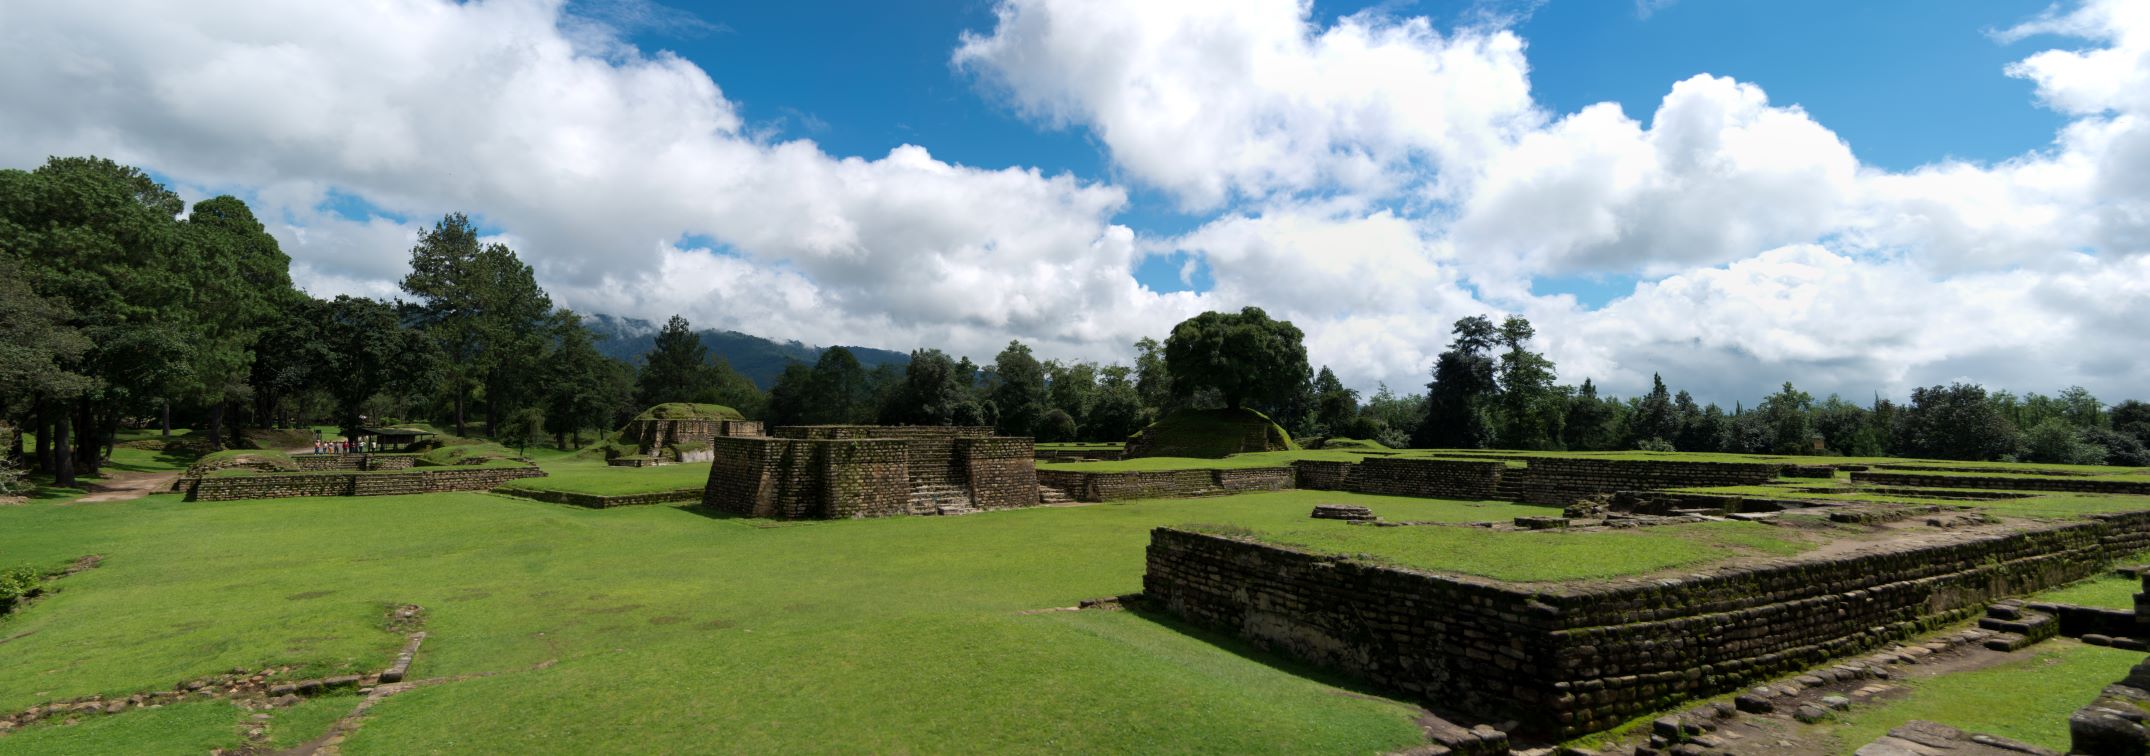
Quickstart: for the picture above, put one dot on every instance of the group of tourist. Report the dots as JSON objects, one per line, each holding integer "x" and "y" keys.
{"x": 345, "y": 446}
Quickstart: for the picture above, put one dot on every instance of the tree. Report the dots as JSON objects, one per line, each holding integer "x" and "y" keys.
{"x": 2080, "y": 408}
{"x": 789, "y": 396}
{"x": 1396, "y": 417}
{"x": 1019, "y": 391}
{"x": 1654, "y": 418}
{"x": 1246, "y": 357}
{"x": 1153, "y": 382}
{"x": 369, "y": 352}
{"x": 676, "y": 369}
{"x": 1589, "y": 424}
{"x": 931, "y": 393}
{"x": 1708, "y": 433}
{"x": 1958, "y": 421}
{"x": 836, "y": 390}
{"x": 1117, "y": 411}
{"x": 1463, "y": 385}
{"x": 583, "y": 388}
{"x": 2132, "y": 418}
{"x": 522, "y": 428}
{"x": 1334, "y": 406}
{"x": 1846, "y": 428}
{"x": 1786, "y": 413}
{"x": 239, "y": 281}
{"x": 482, "y": 306}
{"x": 1056, "y": 426}
{"x": 1530, "y": 408}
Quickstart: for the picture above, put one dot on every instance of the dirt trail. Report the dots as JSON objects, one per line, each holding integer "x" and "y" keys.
{"x": 122, "y": 486}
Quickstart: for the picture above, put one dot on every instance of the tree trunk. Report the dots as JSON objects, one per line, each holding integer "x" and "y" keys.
{"x": 86, "y": 443}
{"x": 559, "y": 440}
{"x": 238, "y": 437}
{"x": 63, "y": 460}
{"x": 459, "y": 392}
{"x": 42, "y": 424}
{"x": 167, "y": 419}
{"x": 216, "y": 425}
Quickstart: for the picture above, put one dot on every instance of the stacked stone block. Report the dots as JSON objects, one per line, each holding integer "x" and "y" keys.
{"x": 1002, "y": 472}
{"x": 1569, "y": 660}
{"x": 845, "y": 471}
{"x": 2060, "y": 484}
{"x": 1165, "y": 484}
{"x": 1561, "y": 482}
{"x": 356, "y": 462}
{"x": 229, "y": 488}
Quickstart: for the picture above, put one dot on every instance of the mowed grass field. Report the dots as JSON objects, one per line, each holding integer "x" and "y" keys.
{"x": 659, "y": 629}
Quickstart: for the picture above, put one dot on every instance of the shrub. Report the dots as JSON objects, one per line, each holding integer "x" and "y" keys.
{"x": 11, "y": 480}
{"x": 2056, "y": 442}
{"x": 16, "y": 584}
{"x": 1654, "y": 445}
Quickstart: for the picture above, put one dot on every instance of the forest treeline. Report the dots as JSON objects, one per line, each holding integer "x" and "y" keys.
{"x": 122, "y": 307}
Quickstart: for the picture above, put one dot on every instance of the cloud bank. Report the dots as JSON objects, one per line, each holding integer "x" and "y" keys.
{"x": 1372, "y": 179}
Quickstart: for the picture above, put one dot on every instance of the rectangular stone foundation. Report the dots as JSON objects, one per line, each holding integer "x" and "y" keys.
{"x": 1567, "y": 660}
{"x": 847, "y": 471}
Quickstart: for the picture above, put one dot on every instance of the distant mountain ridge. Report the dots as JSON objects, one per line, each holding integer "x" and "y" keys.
{"x": 760, "y": 360}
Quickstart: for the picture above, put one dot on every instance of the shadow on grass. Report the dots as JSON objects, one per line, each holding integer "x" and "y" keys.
{"x": 164, "y": 462}
{"x": 1244, "y": 649}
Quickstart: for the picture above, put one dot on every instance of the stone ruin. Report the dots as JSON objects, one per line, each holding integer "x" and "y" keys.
{"x": 685, "y": 439}
{"x": 847, "y": 471}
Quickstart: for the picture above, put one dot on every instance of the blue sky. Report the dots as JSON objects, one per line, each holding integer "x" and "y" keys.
{"x": 1906, "y": 82}
{"x": 1860, "y": 196}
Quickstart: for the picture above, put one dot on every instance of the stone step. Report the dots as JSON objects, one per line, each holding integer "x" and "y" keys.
{"x": 1051, "y": 495}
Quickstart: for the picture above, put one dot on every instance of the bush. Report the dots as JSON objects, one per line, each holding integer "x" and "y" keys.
{"x": 16, "y": 584}
{"x": 11, "y": 480}
{"x": 1654, "y": 445}
{"x": 2121, "y": 449}
{"x": 1056, "y": 426}
{"x": 2056, "y": 442}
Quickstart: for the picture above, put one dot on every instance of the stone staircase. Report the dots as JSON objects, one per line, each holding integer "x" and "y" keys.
{"x": 2016, "y": 626}
{"x": 940, "y": 499}
{"x": 1048, "y": 495}
{"x": 1510, "y": 487}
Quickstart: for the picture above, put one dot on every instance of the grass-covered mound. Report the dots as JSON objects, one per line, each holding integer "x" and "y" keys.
{"x": 1209, "y": 434}
{"x": 262, "y": 460}
{"x": 468, "y": 452}
{"x": 1352, "y": 443}
{"x": 690, "y": 411}
{"x": 617, "y": 444}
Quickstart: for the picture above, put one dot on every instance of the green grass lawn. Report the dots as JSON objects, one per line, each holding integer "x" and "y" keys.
{"x": 668, "y": 629}
{"x": 593, "y": 476}
{"x": 1544, "y": 555}
{"x": 1234, "y": 462}
{"x": 2107, "y": 591}
{"x": 2027, "y": 698}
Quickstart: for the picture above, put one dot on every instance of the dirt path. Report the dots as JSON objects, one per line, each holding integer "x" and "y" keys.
{"x": 128, "y": 485}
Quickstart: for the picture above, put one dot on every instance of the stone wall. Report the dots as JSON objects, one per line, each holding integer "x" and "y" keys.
{"x": 595, "y": 501}
{"x": 354, "y": 462}
{"x": 2066, "y": 485}
{"x": 1321, "y": 475}
{"x": 1164, "y": 484}
{"x": 802, "y": 478}
{"x": 1100, "y": 454}
{"x": 651, "y": 436}
{"x": 932, "y": 447}
{"x": 1561, "y": 482}
{"x": 1002, "y": 472}
{"x": 426, "y": 480}
{"x": 1572, "y": 660}
{"x": 1432, "y": 478}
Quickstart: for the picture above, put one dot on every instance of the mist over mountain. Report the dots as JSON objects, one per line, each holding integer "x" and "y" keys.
{"x": 760, "y": 359}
